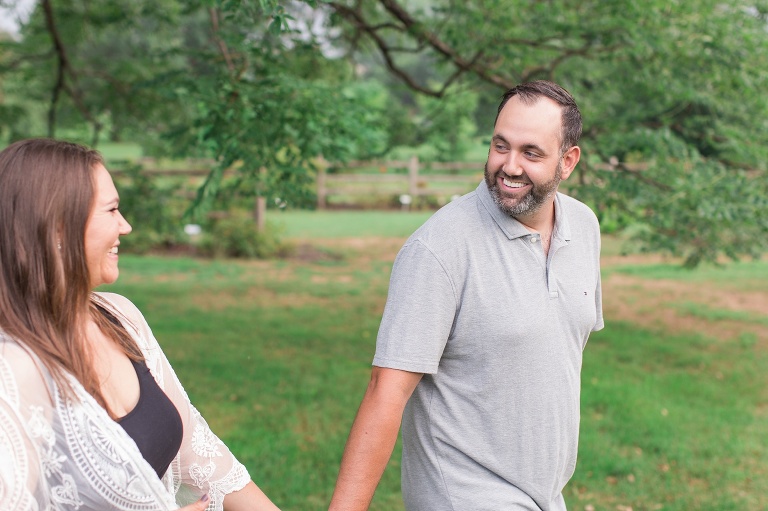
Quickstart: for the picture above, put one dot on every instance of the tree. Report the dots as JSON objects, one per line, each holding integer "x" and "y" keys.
{"x": 91, "y": 67}
{"x": 227, "y": 80}
{"x": 674, "y": 85}
{"x": 675, "y": 142}
{"x": 261, "y": 106}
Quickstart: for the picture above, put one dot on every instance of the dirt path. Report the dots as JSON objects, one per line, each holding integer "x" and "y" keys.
{"x": 658, "y": 305}
{"x": 674, "y": 306}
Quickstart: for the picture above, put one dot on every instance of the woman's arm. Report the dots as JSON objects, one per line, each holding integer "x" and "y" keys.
{"x": 204, "y": 463}
{"x": 250, "y": 498}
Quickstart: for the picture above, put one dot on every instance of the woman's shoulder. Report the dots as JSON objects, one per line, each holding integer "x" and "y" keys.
{"x": 116, "y": 300}
{"x": 16, "y": 355}
{"x": 21, "y": 370}
{"x": 126, "y": 311}
{"x": 119, "y": 304}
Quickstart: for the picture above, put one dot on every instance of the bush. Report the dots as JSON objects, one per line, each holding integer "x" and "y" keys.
{"x": 143, "y": 241}
{"x": 153, "y": 208}
{"x": 236, "y": 235}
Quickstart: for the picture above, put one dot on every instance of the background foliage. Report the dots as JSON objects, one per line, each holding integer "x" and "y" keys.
{"x": 677, "y": 86}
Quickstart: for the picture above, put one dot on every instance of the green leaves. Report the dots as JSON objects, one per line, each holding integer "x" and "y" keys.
{"x": 676, "y": 86}
{"x": 679, "y": 202}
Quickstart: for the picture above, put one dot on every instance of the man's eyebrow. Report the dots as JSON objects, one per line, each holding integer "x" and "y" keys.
{"x": 526, "y": 147}
{"x": 534, "y": 147}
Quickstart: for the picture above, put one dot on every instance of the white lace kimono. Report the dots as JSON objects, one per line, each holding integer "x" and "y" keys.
{"x": 60, "y": 454}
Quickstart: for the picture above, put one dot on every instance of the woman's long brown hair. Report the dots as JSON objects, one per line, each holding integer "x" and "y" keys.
{"x": 46, "y": 196}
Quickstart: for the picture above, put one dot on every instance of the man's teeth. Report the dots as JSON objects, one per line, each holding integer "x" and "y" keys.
{"x": 513, "y": 184}
{"x": 113, "y": 250}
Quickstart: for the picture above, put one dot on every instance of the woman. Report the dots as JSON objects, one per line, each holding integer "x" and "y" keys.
{"x": 92, "y": 416}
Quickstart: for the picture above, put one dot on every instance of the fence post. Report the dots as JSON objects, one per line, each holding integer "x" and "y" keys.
{"x": 413, "y": 176}
{"x": 321, "y": 188}
{"x": 260, "y": 213}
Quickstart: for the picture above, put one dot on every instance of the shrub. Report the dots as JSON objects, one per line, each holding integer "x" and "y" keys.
{"x": 236, "y": 235}
{"x": 153, "y": 208}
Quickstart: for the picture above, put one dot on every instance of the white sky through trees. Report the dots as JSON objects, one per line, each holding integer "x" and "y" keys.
{"x": 13, "y": 11}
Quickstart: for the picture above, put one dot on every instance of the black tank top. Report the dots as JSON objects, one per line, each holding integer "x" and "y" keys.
{"x": 154, "y": 423}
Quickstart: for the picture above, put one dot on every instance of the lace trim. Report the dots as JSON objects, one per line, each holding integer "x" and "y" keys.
{"x": 236, "y": 479}
{"x": 13, "y": 454}
{"x": 112, "y": 472}
{"x": 204, "y": 442}
{"x": 8, "y": 386}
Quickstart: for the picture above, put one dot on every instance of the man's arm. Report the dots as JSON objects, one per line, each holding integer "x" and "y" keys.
{"x": 372, "y": 438}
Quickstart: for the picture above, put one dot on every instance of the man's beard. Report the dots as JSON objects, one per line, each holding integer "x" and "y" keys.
{"x": 531, "y": 202}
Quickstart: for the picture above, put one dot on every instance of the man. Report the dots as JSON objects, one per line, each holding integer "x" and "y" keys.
{"x": 479, "y": 351}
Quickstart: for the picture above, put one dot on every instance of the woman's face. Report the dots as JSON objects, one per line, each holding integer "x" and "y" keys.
{"x": 103, "y": 230}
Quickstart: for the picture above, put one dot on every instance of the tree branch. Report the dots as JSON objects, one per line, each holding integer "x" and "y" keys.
{"x": 357, "y": 20}
{"x": 636, "y": 173}
{"x": 441, "y": 47}
{"x": 549, "y": 69}
{"x": 63, "y": 69}
{"x": 425, "y": 38}
{"x": 214, "y": 16}
{"x": 25, "y": 59}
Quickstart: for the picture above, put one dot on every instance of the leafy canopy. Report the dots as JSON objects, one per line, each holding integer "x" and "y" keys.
{"x": 675, "y": 142}
{"x": 677, "y": 87}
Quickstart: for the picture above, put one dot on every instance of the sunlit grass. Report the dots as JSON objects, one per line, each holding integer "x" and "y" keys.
{"x": 277, "y": 354}
{"x": 349, "y": 224}
{"x": 740, "y": 275}
{"x": 671, "y": 422}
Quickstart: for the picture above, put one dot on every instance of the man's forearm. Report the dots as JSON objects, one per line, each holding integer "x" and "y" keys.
{"x": 369, "y": 447}
{"x": 372, "y": 438}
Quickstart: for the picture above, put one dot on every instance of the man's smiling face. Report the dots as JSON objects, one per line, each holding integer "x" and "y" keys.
{"x": 524, "y": 166}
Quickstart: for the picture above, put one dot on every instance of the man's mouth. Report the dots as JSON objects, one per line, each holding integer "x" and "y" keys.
{"x": 513, "y": 184}
{"x": 113, "y": 250}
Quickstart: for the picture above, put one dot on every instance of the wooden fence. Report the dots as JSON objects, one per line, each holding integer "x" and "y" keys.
{"x": 405, "y": 186}
{"x": 391, "y": 182}
{"x": 388, "y": 182}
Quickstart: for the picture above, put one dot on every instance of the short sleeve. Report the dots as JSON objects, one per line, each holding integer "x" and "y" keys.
{"x": 599, "y": 323}
{"x": 419, "y": 313}
{"x": 204, "y": 463}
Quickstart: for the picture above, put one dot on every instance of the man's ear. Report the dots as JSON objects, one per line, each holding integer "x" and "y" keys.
{"x": 570, "y": 159}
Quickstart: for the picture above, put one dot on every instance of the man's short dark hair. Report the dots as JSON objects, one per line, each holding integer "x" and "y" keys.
{"x": 530, "y": 92}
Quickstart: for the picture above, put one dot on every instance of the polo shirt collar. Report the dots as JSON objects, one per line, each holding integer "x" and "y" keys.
{"x": 514, "y": 229}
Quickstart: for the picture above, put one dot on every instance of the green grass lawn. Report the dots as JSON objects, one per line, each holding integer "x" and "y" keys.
{"x": 276, "y": 354}
{"x": 345, "y": 224}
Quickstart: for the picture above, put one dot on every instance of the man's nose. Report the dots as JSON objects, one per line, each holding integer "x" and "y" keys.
{"x": 512, "y": 166}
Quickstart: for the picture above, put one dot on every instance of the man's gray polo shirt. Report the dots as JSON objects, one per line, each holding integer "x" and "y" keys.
{"x": 498, "y": 330}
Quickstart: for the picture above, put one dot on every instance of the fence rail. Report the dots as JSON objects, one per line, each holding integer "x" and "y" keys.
{"x": 406, "y": 187}
{"x": 388, "y": 183}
